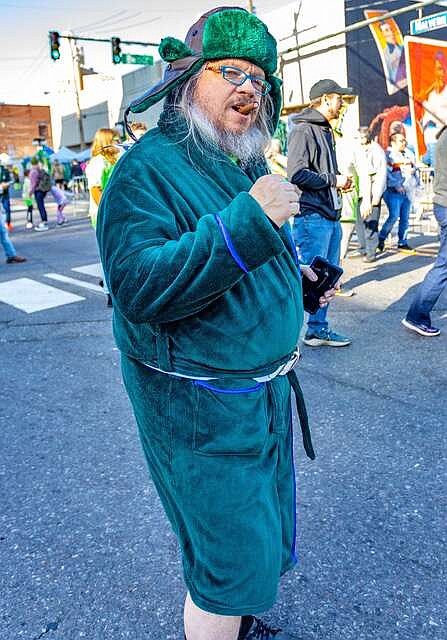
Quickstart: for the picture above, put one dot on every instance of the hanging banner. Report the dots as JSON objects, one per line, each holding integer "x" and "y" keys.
{"x": 427, "y": 76}
{"x": 390, "y": 44}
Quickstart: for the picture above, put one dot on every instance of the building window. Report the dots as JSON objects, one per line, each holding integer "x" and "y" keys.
{"x": 43, "y": 129}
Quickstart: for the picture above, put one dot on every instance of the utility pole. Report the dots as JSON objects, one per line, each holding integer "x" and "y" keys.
{"x": 296, "y": 15}
{"x": 250, "y": 6}
{"x": 77, "y": 80}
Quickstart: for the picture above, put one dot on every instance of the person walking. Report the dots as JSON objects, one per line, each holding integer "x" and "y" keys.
{"x": 351, "y": 161}
{"x": 372, "y": 196}
{"x": 400, "y": 185}
{"x": 5, "y": 241}
{"x": 104, "y": 155}
{"x": 418, "y": 316}
{"x": 76, "y": 177}
{"x": 40, "y": 185}
{"x": 58, "y": 174}
{"x": 312, "y": 167}
{"x": 207, "y": 304}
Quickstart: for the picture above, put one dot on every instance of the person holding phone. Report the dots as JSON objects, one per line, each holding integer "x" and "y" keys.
{"x": 312, "y": 167}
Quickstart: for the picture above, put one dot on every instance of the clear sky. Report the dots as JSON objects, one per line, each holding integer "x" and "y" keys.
{"x": 26, "y": 69}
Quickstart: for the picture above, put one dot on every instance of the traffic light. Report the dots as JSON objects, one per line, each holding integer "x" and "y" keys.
{"x": 54, "y": 45}
{"x": 116, "y": 50}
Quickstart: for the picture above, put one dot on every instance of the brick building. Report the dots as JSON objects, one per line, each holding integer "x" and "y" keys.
{"x": 20, "y": 124}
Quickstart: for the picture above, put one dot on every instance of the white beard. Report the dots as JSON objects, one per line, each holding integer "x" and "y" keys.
{"x": 246, "y": 147}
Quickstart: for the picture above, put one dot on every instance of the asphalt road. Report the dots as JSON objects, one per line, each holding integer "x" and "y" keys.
{"x": 85, "y": 549}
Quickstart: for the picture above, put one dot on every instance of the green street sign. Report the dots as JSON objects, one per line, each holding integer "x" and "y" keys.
{"x": 135, "y": 58}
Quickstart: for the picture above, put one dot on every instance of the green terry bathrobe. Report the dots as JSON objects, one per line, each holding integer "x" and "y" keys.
{"x": 207, "y": 301}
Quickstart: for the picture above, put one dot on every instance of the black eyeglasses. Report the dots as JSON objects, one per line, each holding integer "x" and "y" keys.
{"x": 238, "y": 77}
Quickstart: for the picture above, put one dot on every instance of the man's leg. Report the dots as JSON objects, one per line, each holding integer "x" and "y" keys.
{"x": 7, "y": 206}
{"x": 40, "y": 196}
{"x": 4, "y": 238}
{"x": 347, "y": 229}
{"x": 392, "y": 201}
{"x": 371, "y": 225}
{"x": 404, "y": 219}
{"x": 361, "y": 233}
{"x": 333, "y": 250}
{"x": 312, "y": 233}
{"x": 436, "y": 279}
{"x": 201, "y": 625}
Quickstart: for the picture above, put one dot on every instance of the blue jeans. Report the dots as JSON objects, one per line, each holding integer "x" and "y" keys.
{"x": 40, "y": 200}
{"x": 436, "y": 279}
{"x": 398, "y": 209}
{"x": 4, "y": 238}
{"x": 6, "y": 205}
{"x": 317, "y": 236}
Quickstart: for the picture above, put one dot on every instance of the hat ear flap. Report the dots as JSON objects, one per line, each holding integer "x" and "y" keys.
{"x": 276, "y": 97}
{"x": 171, "y": 49}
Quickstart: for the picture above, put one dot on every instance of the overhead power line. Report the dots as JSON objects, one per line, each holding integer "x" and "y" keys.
{"x": 363, "y": 23}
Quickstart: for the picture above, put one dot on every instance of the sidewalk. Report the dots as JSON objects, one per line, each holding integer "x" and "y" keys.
{"x": 74, "y": 209}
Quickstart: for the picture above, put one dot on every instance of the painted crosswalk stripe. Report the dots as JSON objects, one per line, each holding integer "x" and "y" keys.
{"x": 31, "y": 296}
{"x": 90, "y": 270}
{"x": 74, "y": 281}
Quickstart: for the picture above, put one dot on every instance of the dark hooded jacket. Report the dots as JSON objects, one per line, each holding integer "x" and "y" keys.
{"x": 312, "y": 164}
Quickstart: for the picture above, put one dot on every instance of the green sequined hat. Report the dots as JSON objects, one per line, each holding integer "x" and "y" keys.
{"x": 224, "y": 32}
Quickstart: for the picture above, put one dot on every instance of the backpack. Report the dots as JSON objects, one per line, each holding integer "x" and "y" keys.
{"x": 44, "y": 183}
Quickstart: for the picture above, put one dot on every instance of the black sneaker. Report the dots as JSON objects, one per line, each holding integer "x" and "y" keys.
{"x": 405, "y": 248}
{"x": 253, "y": 628}
{"x": 15, "y": 259}
{"x": 381, "y": 246}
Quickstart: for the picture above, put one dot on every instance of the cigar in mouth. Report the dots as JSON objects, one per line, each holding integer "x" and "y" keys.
{"x": 245, "y": 109}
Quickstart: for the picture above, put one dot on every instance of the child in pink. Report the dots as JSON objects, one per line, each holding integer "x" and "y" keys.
{"x": 61, "y": 201}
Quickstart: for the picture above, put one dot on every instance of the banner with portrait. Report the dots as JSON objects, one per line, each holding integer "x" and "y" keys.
{"x": 390, "y": 44}
{"x": 427, "y": 87}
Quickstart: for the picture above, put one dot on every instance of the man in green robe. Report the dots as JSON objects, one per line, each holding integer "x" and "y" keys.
{"x": 207, "y": 298}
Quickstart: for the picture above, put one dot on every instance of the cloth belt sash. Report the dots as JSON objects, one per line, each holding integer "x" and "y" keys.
{"x": 302, "y": 414}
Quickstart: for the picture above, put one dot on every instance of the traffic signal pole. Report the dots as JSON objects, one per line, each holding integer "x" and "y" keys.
{"x": 83, "y": 39}
{"x": 117, "y": 57}
{"x": 54, "y": 41}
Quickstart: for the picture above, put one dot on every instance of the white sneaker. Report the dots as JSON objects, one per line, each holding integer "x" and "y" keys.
{"x": 29, "y": 225}
{"x": 42, "y": 226}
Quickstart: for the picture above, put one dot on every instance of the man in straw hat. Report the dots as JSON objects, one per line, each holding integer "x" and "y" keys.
{"x": 208, "y": 309}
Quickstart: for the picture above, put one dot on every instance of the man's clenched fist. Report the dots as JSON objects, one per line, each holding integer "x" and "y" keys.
{"x": 277, "y": 196}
